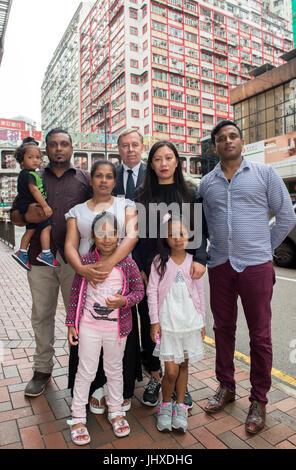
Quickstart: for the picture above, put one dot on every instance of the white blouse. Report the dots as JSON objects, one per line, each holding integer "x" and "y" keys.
{"x": 84, "y": 218}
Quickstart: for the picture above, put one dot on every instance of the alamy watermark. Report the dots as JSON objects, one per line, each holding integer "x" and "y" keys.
{"x": 151, "y": 221}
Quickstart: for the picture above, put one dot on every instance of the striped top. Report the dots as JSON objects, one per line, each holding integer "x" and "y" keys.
{"x": 237, "y": 214}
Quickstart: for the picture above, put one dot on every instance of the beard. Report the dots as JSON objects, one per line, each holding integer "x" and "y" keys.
{"x": 59, "y": 164}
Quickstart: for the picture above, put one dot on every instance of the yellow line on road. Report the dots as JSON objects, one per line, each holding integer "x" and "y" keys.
{"x": 238, "y": 355}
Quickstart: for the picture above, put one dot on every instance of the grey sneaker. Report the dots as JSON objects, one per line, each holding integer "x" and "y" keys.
{"x": 180, "y": 416}
{"x": 164, "y": 417}
{"x": 37, "y": 384}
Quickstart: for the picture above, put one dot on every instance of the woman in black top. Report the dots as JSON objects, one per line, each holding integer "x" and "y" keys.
{"x": 164, "y": 183}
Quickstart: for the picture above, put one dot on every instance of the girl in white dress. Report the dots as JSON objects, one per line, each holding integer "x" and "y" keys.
{"x": 177, "y": 313}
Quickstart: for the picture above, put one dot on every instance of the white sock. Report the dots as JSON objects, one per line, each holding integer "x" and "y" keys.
{"x": 45, "y": 251}
{"x": 23, "y": 251}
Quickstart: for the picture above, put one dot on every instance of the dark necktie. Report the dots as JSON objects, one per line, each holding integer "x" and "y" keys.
{"x": 130, "y": 185}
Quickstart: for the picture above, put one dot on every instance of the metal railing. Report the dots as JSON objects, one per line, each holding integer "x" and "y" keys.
{"x": 7, "y": 233}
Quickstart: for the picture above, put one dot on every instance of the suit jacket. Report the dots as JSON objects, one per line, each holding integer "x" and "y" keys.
{"x": 119, "y": 188}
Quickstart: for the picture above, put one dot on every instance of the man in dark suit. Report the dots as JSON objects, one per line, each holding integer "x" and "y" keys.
{"x": 130, "y": 174}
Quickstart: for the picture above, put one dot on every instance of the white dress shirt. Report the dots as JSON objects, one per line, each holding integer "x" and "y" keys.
{"x": 135, "y": 174}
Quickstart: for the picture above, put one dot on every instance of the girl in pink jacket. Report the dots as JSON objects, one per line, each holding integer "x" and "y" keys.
{"x": 99, "y": 316}
{"x": 177, "y": 313}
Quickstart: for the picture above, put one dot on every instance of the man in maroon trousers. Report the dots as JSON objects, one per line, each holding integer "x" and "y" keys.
{"x": 237, "y": 198}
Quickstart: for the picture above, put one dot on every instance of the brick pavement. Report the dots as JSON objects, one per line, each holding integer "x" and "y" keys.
{"x": 40, "y": 423}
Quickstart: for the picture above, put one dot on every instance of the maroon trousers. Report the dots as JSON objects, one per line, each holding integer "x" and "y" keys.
{"x": 254, "y": 286}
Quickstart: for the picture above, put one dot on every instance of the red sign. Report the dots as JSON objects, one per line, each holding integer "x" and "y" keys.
{"x": 10, "y": 124}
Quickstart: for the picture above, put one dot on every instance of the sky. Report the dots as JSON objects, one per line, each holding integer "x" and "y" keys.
{"x": 34, "y": 29}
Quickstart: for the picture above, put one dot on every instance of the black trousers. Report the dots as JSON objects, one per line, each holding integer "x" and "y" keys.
{"x": 132, "y": 369}
{"x": 151, "y": 362}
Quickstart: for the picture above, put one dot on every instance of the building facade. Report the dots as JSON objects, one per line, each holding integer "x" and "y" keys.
{"x": 166, "y": 67}
{"x": 60, "y": 91}
{"x": 281, "y": 8}
{"x": 265, "y": 110}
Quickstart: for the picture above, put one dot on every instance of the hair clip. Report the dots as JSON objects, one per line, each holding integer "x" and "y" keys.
{"x": 166, "y": 218}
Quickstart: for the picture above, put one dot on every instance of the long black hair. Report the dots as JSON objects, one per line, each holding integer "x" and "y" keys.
{"x": 163, "y": 248}
{"x": 149, "y": 189}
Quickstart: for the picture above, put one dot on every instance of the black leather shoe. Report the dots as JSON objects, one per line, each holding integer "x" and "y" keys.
{"x": 219, "y": 400}
{"x": 37, "y": 384}
{"x": 255, "y": 421}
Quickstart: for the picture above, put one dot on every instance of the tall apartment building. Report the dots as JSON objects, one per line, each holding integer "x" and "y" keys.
{"x": 60, "y": 91}
{"x": 5, "y": 6}
{"x": 281, "y": 8}
{"x": 165, "y": 67}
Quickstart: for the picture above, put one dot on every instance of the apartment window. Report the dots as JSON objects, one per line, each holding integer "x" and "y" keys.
{"x": 158, "y": 26}
{"x": 135, "y": 113}
{"x": 178, "y": 113}
{"x": 221, "y": 106}
{"x": 134, "y": 47}
{"x": 192, "y": 115}
{"x": 163, "y": 110}
{"x": 177, "y": 33}
{"x": 135, "y": 79}
{"x": 206, "y": 57}
{"x": 158, "y": 10}
{"x": 134, "y": 30}
{"x": 160, "y": 92}
{"x": 146, "y": 95}
{"x": 160, "y": 127}
{"x": 207, "y": 72}
{"x": 133, "y": 13}
{"x": 159, "y": 59}
{"x": 145, "y": 61}
{"x": 134, "y": 63}
{"x": 159, "y": 75}
{"x": 191, "y": 37}
{"x": 146, "y": 112}
{"x": 208, "y": 119}
{"x": 145, "y": 45}
{"x": 191, "y": 99}
{"x": 207, "y": 103}
{"x": 193, "y": 132}
{"x": 176, "y": 79}
{"x": 135, "y": 96}
{"x": 177, "y": 129}
{"x": 192, "y": 83}
{"x": 146, "y": 129}
{"x": 177, "y": 96}
{"x": 144, "y": 28}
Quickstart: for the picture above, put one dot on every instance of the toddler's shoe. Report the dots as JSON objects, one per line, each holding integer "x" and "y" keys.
{"x": 180, "y": 416}
{"x": 48, "y": 259}
{"x": 23, "y": 259}
{"x": 164, "y": 416}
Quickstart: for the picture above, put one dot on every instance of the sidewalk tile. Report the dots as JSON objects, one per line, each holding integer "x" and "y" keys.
{"x": 55, "y": 441}
{"x": 9, "y": 433}
{"x": 285, "y": 445}
{"x": 287, "y": 404}
{"x": 222, "y": 425}
{"x": 278, "y": 433}
{"x": 31, "y": 438}
{"x": 232, "y": 441}
{"x": 207, "y": 439}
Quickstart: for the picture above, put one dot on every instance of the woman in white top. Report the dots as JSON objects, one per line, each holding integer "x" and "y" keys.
{"x": 78, "y": 242}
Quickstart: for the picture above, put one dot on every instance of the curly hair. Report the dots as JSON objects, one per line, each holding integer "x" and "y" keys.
{"x": 21, "y": 150}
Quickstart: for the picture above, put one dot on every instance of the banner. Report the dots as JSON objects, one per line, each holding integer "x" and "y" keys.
{"x": 275, "y": 149}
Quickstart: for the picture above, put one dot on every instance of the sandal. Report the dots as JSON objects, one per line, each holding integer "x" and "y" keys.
{"x": 98, "y": 395}
{"x": 79, "y": 432}
{"x": 119, "y": 424}
{"x": 126, "y": 406}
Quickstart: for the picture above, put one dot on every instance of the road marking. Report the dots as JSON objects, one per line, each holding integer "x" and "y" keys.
{"x": 238, "y": 355}
{"x": 286, "y": 278}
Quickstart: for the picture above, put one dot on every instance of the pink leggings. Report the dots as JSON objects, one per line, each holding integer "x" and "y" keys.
{"x": 90, "y": 343}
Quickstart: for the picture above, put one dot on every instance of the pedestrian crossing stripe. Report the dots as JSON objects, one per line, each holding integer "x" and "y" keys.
{"x": 275, "y": 372}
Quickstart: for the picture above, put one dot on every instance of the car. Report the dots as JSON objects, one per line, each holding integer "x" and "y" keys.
{"x": 285, "y": 253}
